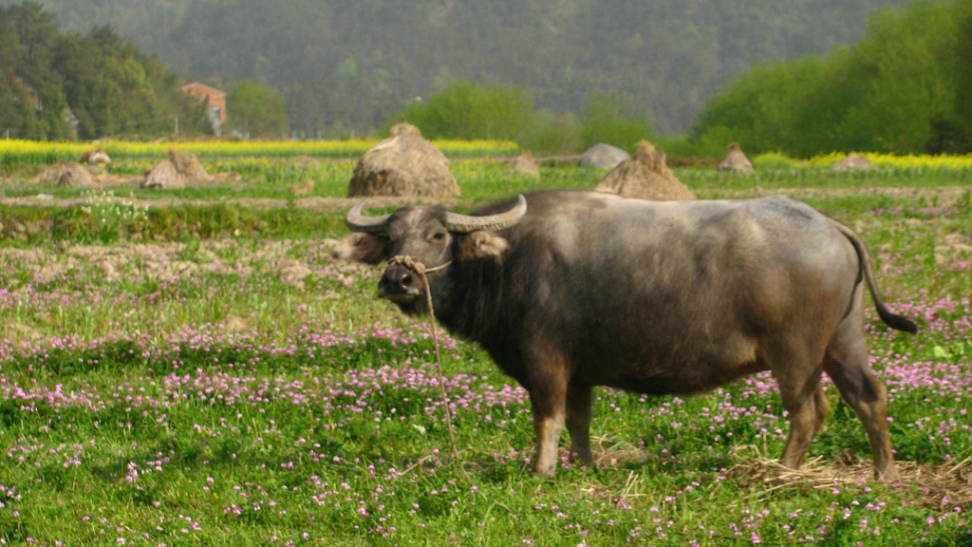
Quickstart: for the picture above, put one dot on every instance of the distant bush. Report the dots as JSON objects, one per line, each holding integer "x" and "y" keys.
{"x": 550, "y": 134}
{"x": 465, "y": 110}
{"x": 609, "y": 119}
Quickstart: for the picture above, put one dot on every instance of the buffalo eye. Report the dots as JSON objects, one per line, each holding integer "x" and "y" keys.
{"x": 438, "y": 236}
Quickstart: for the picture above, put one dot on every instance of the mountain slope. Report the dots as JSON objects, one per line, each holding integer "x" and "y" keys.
{"x": 368, "y": 57}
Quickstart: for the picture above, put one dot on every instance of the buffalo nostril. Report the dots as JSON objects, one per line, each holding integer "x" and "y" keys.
{"x": 406, "y": 280}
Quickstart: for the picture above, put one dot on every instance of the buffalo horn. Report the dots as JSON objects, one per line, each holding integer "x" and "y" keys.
{"x": 360, "y": 223}
{"x": 465, "y": 224}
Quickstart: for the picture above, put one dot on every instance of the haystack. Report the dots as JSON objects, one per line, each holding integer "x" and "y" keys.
{"x": 404, "y": 164}
{"x": 188, "y": 166}
{"x": 853, "y": 162}
{"x": 645, "y": 176}
{"x": 601, "y": 156}
{"x": 95, "y": 157}
{"x": 51, "y": 174}
{"x": 524, "y": 165}
{"x": 75, "y": 175}
{"x": 305, "y": 188}
{"x": 736, "y": 161}
{"x": 164, "y": 176}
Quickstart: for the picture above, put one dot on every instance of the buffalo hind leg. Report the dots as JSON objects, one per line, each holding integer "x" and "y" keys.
{"x": 867, "y": 396}
{"x": 579, "y": 423}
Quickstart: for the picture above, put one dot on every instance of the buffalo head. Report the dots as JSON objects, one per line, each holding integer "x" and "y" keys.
{"x": 430, "y": 236}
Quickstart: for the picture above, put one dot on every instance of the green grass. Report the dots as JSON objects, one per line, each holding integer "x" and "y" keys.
{"x": 163, "y": 380}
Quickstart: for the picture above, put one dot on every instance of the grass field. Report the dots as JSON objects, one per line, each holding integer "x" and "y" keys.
{"x": 191, "y": 367}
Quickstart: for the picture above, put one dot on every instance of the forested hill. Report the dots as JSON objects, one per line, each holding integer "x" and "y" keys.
{"x": 350, "y": 64}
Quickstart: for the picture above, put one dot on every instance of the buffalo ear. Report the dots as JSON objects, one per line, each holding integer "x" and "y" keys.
{"x": 360, "y": 247}
{"x": 482, "y": 245}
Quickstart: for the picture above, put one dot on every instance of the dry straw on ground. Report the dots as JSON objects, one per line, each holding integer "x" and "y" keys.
{"x": 736, "y": 161}
{"x": 645, "y": 176}
{"x": 404, "y": 164}
{"x": 939, "y": 487}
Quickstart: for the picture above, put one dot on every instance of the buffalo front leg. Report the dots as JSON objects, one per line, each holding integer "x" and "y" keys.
{"x": 548, "y": 394}
{"x": 579, "y": 423}
{"x": 548, "y": 422}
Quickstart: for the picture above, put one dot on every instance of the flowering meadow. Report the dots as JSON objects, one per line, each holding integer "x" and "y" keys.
{"x": 221, "y": 389}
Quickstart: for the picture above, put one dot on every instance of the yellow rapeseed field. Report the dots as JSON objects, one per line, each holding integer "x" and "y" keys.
{"x": 924, "y": 161}
{"x": 15, "y": 152}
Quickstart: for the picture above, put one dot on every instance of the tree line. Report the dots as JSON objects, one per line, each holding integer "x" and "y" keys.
{"x": 906, "y": 87}
{"x": 344, "y": 67}
{"x": 56, "y": 85}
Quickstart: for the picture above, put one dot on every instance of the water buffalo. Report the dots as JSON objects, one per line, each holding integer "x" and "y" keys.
{"x": 585, "y": 289}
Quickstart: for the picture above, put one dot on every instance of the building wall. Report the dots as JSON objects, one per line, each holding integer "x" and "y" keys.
{"x": 211, "y": 95}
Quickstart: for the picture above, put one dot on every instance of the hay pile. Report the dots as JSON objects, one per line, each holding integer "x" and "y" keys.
{"x": 95, "y": 157}
{"x": 524, "y": 165}
{"x": 938, "y": 487}
{"x": 163, "y": 176}
{"x": 51, "y": 174}
{"x": 645, "y": 176}
{"x": 180, "y": 169}
{"x": 404, "y": 164}
{"x": 188, "y": 166}
{"x": 305, "y": 188}
{"x": 853, "y": 162}
{"x": 601, "y": 156}
{"x": 736, "y": 161}
{"x": 76, "y": 176}
{"x": 67, "y": 174}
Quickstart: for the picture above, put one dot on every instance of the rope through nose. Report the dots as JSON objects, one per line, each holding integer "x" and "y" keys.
{"x": 415, "y": 266}
{"x": 420, "y": 269}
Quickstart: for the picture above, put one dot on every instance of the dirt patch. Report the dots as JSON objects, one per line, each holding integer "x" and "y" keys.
{"x": 946, "y": 195}
{"x": 170, "y": 261}
{"x": 315, "y": 203}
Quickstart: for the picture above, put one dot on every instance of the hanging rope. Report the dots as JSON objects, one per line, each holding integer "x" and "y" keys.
{"x": 421, "y": 270}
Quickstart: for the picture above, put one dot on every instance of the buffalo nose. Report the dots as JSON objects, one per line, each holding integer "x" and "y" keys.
{"x": 398, "y": 280}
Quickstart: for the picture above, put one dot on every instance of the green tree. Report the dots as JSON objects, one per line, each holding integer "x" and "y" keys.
{"x": 102, "y": 79}
{"x": 34, "y": 103}
{"x": 607, "y": 118}
{"x": 465, "y": 110}
{"x": 256, "y": 110}
{"x": 899, "y": 90}
{"x": 953, "y": 134}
